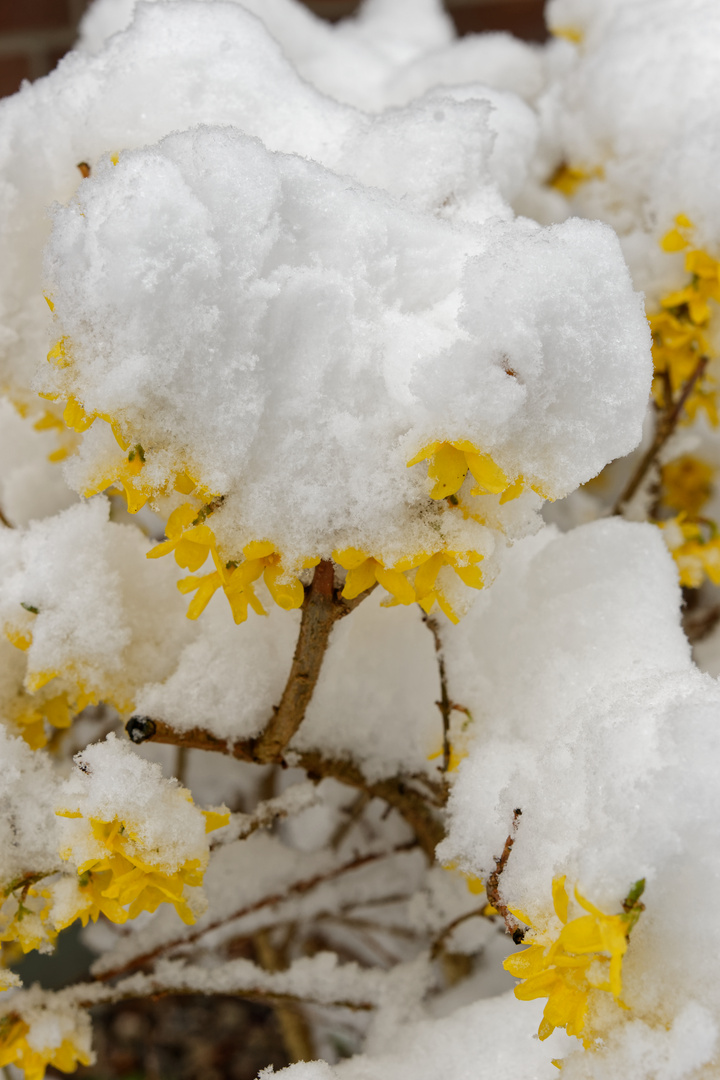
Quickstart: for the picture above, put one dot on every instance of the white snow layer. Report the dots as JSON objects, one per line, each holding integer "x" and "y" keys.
{"x": 339, "y": 335}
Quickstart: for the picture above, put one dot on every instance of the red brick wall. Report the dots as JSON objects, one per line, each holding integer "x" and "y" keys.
{"x": 34, "y": 34}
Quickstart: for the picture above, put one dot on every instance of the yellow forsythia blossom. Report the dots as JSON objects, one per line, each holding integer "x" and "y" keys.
{"x": 680, "y": 328}
{"x": 586, "y": 955}
{"x": 192, "y": 540}
{"x": 126, "y": 878}
{"x": 449, "y": 464}
{"x": 24, "y": 920}
{"x": 695, "y": 547}
{"x": 687, "y": 484}
{"x": 18, "y": 1048}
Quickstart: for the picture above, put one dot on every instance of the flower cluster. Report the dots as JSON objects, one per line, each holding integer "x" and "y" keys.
{"x": 567, "y": 966}
{"x": 680, "y": 328}
{"x": 695, "y": 546}
{"x": 36, "y": 1041}
{"x": 123, "y": 875}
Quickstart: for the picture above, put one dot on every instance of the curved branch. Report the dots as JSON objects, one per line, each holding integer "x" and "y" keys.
{"x": 397, "y": 791}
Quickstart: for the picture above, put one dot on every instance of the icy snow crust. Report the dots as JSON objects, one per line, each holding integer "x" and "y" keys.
{"x": 337, "y": 335}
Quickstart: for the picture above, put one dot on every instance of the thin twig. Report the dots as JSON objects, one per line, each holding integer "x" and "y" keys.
{"x": 352, "y": 814}
{"x": 444, "y": 704}
{"x": 440, "y": 940}
{"x": 4, "y": 521}
{"x": 665, "y": 427}
{"x": 512, "y": 926}
{"x": 700, "y": 623}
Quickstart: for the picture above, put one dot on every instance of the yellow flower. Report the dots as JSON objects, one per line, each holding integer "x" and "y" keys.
{"x": 464, "y": 563}
{"x": 127, "y": 877}
{"x": 450, "y": 463}
{"x": 24, "y": 918}
{"x": 679, "y": 327}
{"x": 568, "y": 178}
{"x": 191, "y": 541}
{"x": 695, "y": 547}
{"x": 586, "y": 955}
{"x": 16, "y": 1049}
{"x": 687, "y": 484}
{"x": 364, "y": 570}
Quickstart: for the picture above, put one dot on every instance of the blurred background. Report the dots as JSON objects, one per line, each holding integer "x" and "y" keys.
{"x": 34, "y": 34}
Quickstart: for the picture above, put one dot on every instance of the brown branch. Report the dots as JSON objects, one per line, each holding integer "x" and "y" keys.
{"x": 249, "y": 993}
{"x": 4, "y": 521}
{"x": 298, "y": 889}
{"x": 440, "y": 940}
{"x": 320, "y": 611}
{"x": 444, "y": 704}
{"x": 700, "y": 623}
{"x": 512, "y": 926}
{"x": 397, "y": 791}
{"x": 352, "y": 814}
{"x": 665, "y": 427}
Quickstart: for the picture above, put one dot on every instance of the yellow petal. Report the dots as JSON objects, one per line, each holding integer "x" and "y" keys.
{"x": 526, "y": 964}
{"x": 75, "y": 416}
{"x": 57, "y": 711}
{"x": 286, "y": 594}
{"x": 215, "y": 819}
{"x": 161, "y": 549}
{"x": 135, "y": 499}
{"x": 422, "y": 455}
{"x": 189, "y": 555}
{"x": 512, "y": 492}
{"x": 360, "y": 578}
{"x": 258, "y": 549}
{"x": 489, "y": 476}
{"x": 59, "y": 354}
{"x": 184, "y": 484}
{"x": 427, "y": 574}
{"x": 560, "y": 898}
{"x": 445, "y": 607}
{"x": 448, "y": 469}
{"x": 396, "y": 584}
{"x": 180, "y": 520}
{"x": 673, "y": 241}
{"x": 350, "y": 558}
{"x": 471, "y": 576}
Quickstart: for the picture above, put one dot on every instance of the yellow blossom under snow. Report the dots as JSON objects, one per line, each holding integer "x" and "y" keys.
{"x": 695, "y": 547}
{"x": 680, "y": 327}
{"x": 126, "y": 879}
{"x": 17, "y": 1049}
{"x": 567, "y": 966}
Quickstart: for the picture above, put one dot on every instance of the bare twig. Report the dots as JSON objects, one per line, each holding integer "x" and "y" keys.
{"x": 352, "y": 814}
{"x": 298, "y": 889}
{"x": 512, "y": 926}
{"x": 4, "y": 521}
{"x": 700, "y": 623}
{"x": 442, "y": 937}
{"x": 444, "y": 704}
{"x": 665, "y": 427}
